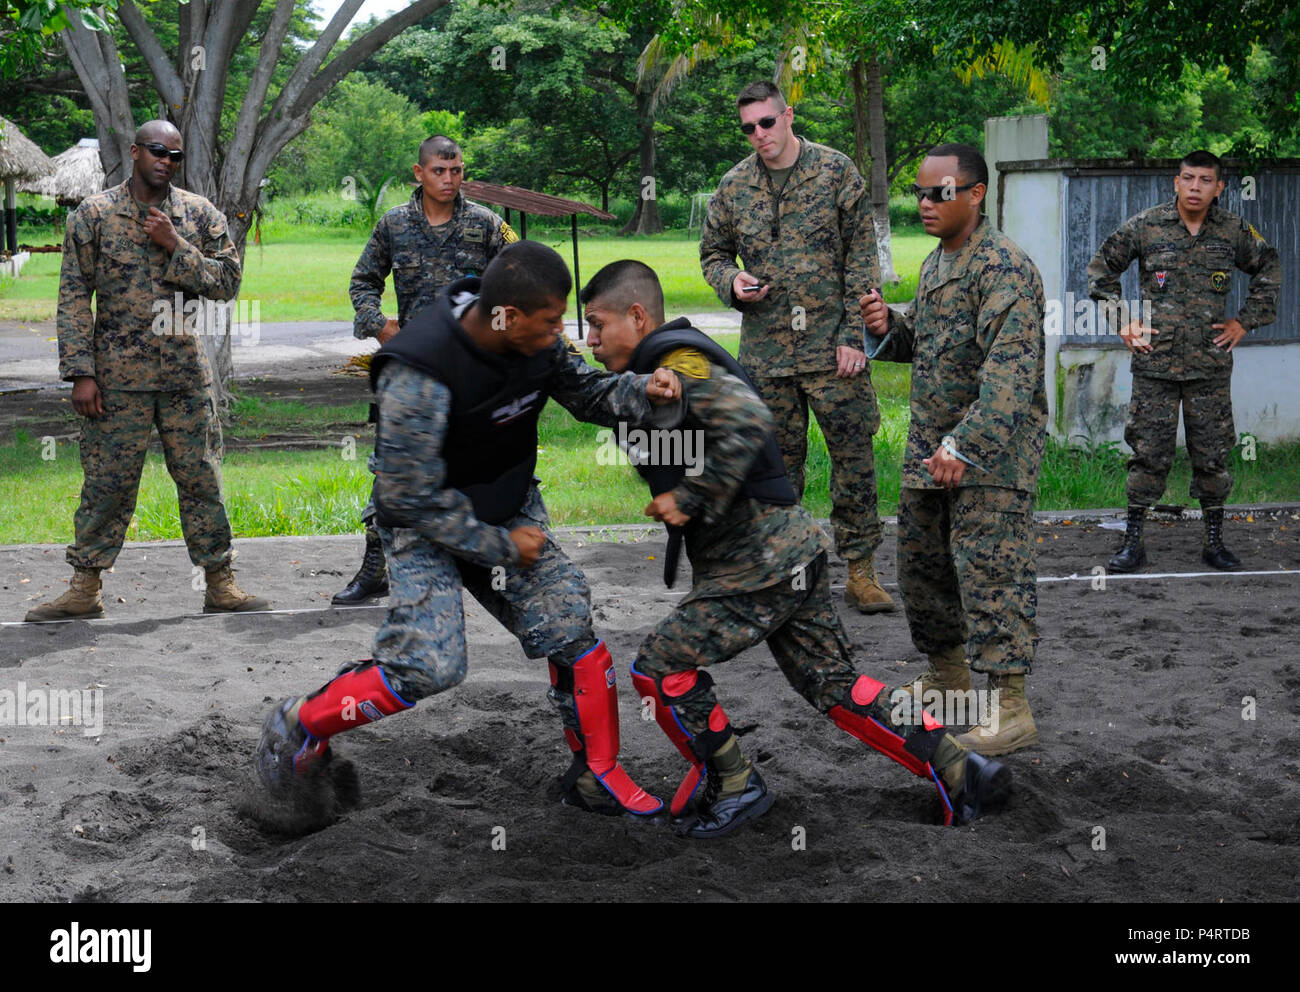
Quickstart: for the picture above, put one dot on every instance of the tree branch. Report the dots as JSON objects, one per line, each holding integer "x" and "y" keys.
{"x": 168, "y": 84}
{"x": 362, "y": 49}
{"x": 627, "y": 84}
{"x": 241, "y": 141}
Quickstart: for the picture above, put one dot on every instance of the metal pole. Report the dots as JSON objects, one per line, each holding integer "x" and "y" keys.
{"x": 577, "y": 279}
{"x": 11, "y": 217}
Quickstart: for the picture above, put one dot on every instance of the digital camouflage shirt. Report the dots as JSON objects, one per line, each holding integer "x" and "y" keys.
{"x": 975, "y": 340}
{"x": 143, "y": 333}
{"x": 814, "y": 243}
{"x": 735, "y": 544}
{"x": 411, "y": 475}
{"x": 423, "y": 259}
{"x": 1186, "y": 278}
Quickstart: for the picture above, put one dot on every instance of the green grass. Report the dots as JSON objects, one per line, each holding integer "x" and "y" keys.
{"x": 321, "y": 492}
{"x": 302, "y": 273}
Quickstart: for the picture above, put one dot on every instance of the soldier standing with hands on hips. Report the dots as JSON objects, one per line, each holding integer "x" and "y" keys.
{"x": 427, "y": 243}
{"x": 974, "y": 336}
{"x": 139, "y": 249}
{"x": 798, "y": 216}
{"x": 1186, "y": 250}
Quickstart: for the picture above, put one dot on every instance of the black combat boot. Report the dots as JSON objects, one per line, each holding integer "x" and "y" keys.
{"x": 1213, "y": 552}
{"x": 734, "y": 794}
{"x": 371, "y": 579}
{"x": 1131, "y": 555}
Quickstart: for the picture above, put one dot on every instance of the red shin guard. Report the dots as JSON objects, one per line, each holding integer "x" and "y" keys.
{"x": 876, "y": 735}
{"x": 355, "y": 698}
{"x": 595, "y": 699}
{"x": 679, "y": 684}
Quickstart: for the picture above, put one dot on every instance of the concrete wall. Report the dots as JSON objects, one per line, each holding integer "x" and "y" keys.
{"x": 1011, "y": 139}
{"x": 1098, "y": 385}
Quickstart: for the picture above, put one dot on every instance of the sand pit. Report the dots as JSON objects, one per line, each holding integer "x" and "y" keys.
{"x": 1138, "y": 695}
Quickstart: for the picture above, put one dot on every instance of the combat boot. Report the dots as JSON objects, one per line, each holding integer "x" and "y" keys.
{"x": 371, "y": 579}
{"x": 949, "y": 672}
{"x": 1131, "y": 555}
{"x": 1013, "y": 727}
{"x": 975, "y": 785}
{"x": 1213, "y": 552}
{"x": 81, "y": 601}
{"x": 734, "y": 793}
{"x": 864, "y": 590}
{"x": 223, "y": 596}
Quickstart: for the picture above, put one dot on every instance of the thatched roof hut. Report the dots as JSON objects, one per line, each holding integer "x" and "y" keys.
{"x": 78, "y": 172}
{"x": 19, "y": 156}
{"x": 19, "y": 159}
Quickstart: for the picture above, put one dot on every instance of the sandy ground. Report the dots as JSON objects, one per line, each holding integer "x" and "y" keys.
{"x": 1138, "y": 694}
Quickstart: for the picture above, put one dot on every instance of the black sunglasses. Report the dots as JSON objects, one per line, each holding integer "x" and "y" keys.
{"x": 766, "y": 123}
{"x": 162, "y": 151}
{"x": 937, "y": 194}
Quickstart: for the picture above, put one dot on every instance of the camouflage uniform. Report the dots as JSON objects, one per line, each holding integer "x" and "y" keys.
{"x": 423, "y": 260}
{"x": 149, "y": 368}
{"x": 1187, "y": 279}
{"x": 815, "y": 244}
{"x": 421, "y": 643}
{"x": 965, "y": 556}
{"x": 759, "y": 570}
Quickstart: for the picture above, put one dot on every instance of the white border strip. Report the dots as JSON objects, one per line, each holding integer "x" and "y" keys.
{"x": 1114, "y": 576}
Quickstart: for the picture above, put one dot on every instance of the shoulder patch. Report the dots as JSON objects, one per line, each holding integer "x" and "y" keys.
{"x": 572, "y": 348}
{"x": 508, "y": 234}
{"x": 688, "y": 361}
{"x": 1255, "y": 234}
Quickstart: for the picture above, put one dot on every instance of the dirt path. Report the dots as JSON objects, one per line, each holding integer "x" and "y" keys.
{"x": 1138, "y": 694}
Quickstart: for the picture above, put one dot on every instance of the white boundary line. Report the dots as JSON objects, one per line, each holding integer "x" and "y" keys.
{"x": 1042, "y": 579}
{"x": 1114, "y": 576}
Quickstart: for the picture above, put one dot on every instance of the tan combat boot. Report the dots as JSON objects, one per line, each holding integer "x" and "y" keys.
{"x": 1013, "y": 726}
{"x": 82, "y": 600}
{"x": 948, "y": 672}
{"x": 864, "y": 590}
{"x": 223, "y": 596}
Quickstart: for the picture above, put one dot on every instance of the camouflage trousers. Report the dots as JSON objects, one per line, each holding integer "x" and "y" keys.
{"x": 967, "y": 573}
{"x": 421, "y": 642}
{"x": 797, "y": 618}
{"x": 1152, "y": 429}
{"x": 848, "y": 416}
{"x": 113, "y": 449}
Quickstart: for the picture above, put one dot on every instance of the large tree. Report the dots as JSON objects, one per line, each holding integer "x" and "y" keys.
{"x": 190, "y": 69}
{"x": 533, "y": 84}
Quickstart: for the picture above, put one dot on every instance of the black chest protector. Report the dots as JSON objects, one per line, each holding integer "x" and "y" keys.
{"x": 491, "y": 442}
{"x": 766, "y": 481}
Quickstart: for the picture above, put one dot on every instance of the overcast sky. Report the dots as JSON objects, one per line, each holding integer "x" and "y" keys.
{"x": 377, "y": 8}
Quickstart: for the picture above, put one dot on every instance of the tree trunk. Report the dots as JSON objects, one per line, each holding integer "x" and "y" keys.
{"x": 645, "y": 219}
{"x": 869, "y": 124}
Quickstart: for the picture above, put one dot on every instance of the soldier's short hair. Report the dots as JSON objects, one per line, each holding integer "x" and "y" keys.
{"x": 1202, "y": 159}
{"x": 760, "y": 90}
{"x": 970, "y": 163}
{"x": 526, "y": 275}
{"x": 622, "y": 283}
{"x": 158, "y": 129}
{"x": 438, "y": 145}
